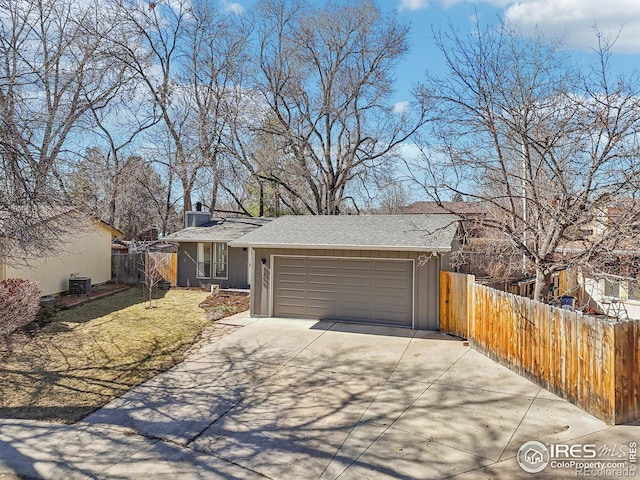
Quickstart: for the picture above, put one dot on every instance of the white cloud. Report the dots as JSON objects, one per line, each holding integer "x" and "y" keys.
{"x": 413, "y": 4}
{"x": 409, "y": 152}
{"x": 495, "y": 3}
{"x": 233, "y": 7}
{"x": 574, "y": 20}
{"x": 401, "y": 107}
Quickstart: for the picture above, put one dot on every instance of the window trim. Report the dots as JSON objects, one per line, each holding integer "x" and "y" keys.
{"x": 628, "y": 289}
{"x": 216, "y": 261}
{"x": 201, "y": 246}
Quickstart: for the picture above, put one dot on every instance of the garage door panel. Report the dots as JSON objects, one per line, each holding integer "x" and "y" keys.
{"x": 381, "y": 286}
{"x": 320, "y": 313}
{"x": 389, "y": 270}
{"x": 356, "y": 295}
{"x": 322, "y": 263}
{"x": 323, "y": 280}
{"x": 329, "y": 269}
{"x": 355, "y": 289}
{"x": 292, "y": 299}
{"x": 352, "y": 311}
{"x": 392, "y": 272}
{"x": 327, "y": 297}
{"x": 357, "y": 264}
{"x": 290, "y": 262}
{"x": 351, "y": 290}
{"x": 293, "y": 311}
{"x": 350, "y": 280}
{"x": 291, "y": 280}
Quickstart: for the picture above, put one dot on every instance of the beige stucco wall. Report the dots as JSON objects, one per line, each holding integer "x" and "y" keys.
{"x": 426, "y": 285}
{"x": 86, "y": 253}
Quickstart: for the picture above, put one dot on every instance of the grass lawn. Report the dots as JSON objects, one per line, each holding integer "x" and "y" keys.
{"x": 95, "y": 352}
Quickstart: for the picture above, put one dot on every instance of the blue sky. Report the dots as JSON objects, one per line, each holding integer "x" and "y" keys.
{"x": 571, "y": 20}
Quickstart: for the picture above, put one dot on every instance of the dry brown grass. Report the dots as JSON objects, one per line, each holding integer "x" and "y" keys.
{"x": 93, "y": 353}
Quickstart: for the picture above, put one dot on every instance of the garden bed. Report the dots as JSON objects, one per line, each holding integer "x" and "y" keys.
{"x": 226, "y": 303}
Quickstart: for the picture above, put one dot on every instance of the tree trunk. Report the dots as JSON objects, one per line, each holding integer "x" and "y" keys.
{"x": 188, "y": 206}
{"x": 543, "y": 283}
{"x": 261, "y": 213}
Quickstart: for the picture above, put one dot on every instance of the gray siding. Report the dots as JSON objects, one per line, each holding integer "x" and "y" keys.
{"x": 426, "y": 280}
{"x": 427, "y": 292}
{"x": 238, "y": 266}
{"x": 187, "y": 273}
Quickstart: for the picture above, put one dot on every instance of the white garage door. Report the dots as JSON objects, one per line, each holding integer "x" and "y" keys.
{"x": 354, "y": 289}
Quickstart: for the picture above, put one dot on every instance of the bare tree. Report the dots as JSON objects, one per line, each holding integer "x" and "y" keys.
{"x": 131, "y": 197}
{"x": 155, "y": 266}
{"x": 393, "y": 198}
{"x": 189, "y": 55}
{"x": 546, "y": 147}
{"x": 50, "y": 78}
{"x": 118, "y": 126}
{"x": 262, "y": 157}
{"x": 325, "y": 79}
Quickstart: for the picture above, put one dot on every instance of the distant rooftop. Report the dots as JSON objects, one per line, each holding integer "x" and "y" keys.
{"x": 364, "y": 232}
{"x": 443, "y": 208}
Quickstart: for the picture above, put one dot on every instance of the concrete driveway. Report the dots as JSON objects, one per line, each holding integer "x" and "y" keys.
{"x": 296, "y": 399}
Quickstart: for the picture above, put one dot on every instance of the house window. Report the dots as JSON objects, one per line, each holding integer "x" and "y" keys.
{"x": 222, "y": 260}
{"x": 204, "y": 260}
{"x": 611, "y": 288}
{"x": 633, "y": 290}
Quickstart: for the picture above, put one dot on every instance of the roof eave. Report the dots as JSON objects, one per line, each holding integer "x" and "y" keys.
{"x": 395, "y": 248}
{"x": 110, "y": 228}
{"x": 198, "y": 240}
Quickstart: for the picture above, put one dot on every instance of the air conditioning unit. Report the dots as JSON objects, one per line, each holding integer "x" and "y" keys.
{"x": 79, "y": 285}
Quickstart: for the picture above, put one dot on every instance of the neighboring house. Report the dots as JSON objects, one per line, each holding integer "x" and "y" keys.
{"x": 616, "y": 294}
{"x": 85, "y": 251}
{"x": 472, "y": 216}
{"x": 610, "y": 283}
{"x": 471, "y": 210}
{"x": 484, "y": 252}
{"x": 204, "y": 256}
{"x": 373, "y": 269}
{"x": 619, "y": 298}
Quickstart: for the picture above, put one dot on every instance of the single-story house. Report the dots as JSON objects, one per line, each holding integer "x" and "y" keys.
{"x": 380, "y": 269}
{"x": 205, "y": 257}
{"x": 84, "y": 252}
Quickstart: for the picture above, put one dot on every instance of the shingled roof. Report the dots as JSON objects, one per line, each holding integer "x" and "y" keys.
{"x": 360, "y": 232}
{"x": 218, "y": 230}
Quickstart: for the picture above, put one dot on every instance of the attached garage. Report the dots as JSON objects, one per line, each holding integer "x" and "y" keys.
{"x": 353, "y": 289}
{"x": 369, "y": 269}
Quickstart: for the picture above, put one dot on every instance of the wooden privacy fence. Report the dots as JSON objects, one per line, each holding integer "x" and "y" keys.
{"x": 166, "y": 265}
{"x": 130, "y": 268}
{"x": 592, "y": 362}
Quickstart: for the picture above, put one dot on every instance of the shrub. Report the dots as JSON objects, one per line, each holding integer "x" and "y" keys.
{"x": 46, "y": 314}
{"x": 19, "y": 303}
